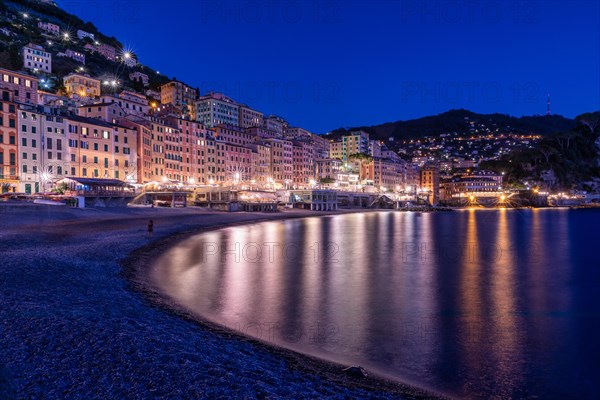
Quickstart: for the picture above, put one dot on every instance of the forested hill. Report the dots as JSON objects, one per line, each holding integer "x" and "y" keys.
{"x": 463, "y": 122}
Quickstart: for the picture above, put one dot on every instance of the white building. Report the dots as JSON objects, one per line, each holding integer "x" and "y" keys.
{"x": 217, "y": 109}
{"x": 130, "y": 102}
{"x": 36, "y": 58}
{"x": 75, "y": 55}
{"x": 43, "y": 149}
{"x": 276, "y": 124}
{"x": 83, "y": 34}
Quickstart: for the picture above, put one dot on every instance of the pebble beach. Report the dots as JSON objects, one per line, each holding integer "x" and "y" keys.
{"x": 79, "y": 321}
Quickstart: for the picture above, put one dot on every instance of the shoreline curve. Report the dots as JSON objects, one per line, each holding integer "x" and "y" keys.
{"x": 135, "y": 269}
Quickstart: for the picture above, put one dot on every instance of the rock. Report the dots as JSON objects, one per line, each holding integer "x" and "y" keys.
{"x": 356, "y": 371}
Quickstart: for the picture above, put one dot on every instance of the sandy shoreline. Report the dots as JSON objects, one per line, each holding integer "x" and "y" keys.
{"x": 72, "y": 326}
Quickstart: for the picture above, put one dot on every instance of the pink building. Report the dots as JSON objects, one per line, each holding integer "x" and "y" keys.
{"x": 107, "y": 51}
{"x": 23, "y": 87}
{"x": 49, "y": 28}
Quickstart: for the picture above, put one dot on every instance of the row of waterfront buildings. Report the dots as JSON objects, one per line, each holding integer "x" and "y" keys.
{"x": 86, "y": 133}
{"x": 183, "y": 140}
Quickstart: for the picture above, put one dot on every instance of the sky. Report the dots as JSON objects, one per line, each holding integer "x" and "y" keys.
{"x": 342, "y": 63}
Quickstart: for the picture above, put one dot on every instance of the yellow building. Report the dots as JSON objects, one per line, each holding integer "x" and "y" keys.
{"x": 81, "y": 85}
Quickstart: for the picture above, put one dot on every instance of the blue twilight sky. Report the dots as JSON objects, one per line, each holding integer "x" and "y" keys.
{"x": 326, "y": 64}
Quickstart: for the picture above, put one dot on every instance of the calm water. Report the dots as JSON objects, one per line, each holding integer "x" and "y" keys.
{"x": 473, "y": 303}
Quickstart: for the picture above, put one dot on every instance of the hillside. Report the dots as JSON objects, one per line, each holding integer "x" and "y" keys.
{"x": 19, "y": 21}
{"x": 568, "y": 159}
{"x": 463, "y": 122}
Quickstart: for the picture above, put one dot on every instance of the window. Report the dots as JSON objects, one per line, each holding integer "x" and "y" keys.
{"x": 33, "y": 129}
{"x": 49, "y": 155}
{"x": 24, "y": 128}
{"x": 24, "y": 142}
{"x": 33, "y": 143}
{"x": 24, "y": 156}
{"x": 83, "y": 172}
{"x": 83, "y": 158}
{"x": 106, "y": 148}
{"x": 12, "y": 123}
{"x": 96, "y": 146}
{"x": 34, "y": 169}
{"x": 58, "y": 144}
{"x": 49, "y": 143}
{"x": 24, "y": 168}
{"x": 72, "y": 157}
{"x": 95, "y": 160}
{"x": 12, "y": 140}
{"x": 34, "y": 156}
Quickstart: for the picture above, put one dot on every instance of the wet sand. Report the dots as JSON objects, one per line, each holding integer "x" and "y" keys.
{"x": 79, "y": 319}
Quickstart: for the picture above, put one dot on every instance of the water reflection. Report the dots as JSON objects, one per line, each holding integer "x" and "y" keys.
{"x": 472, "y": 303}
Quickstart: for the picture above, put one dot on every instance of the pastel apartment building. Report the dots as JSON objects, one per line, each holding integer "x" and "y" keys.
{"x": 83, "y": 34}
{"x": 75, "y": 55}
{"x": 217, "y": 109}
{"x": 100, "y": 149}
{"x": 249, "y": 117}
{"x": 23, "y": 87}
{"x": 107, "y": 51}
{"x": 43, "y": 148}
{"x": 181, "y": 96}
{"x": 9, "y": 148}
{"x": 49, "y": 27}
{"x": 36, "y": 58}
{"x": 81, "y": 85}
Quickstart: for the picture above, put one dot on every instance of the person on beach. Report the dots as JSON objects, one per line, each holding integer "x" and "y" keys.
{"x": 150, "y": 228}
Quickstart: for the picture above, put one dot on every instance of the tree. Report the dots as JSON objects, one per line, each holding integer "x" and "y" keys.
{"x": 364, "y": 160}
{"x": 591, "y": 120}
{"x": 547, "y": 152}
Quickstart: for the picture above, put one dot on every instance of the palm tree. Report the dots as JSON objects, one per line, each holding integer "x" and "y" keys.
{"x": 364, "y": 160}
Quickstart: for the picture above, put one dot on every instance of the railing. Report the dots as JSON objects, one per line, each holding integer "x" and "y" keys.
{"x": 100, "y": 192}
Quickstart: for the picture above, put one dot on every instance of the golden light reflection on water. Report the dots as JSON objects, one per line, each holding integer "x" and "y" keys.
{"x": 418, "y": 296}
{"x": 506, "y": 333}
